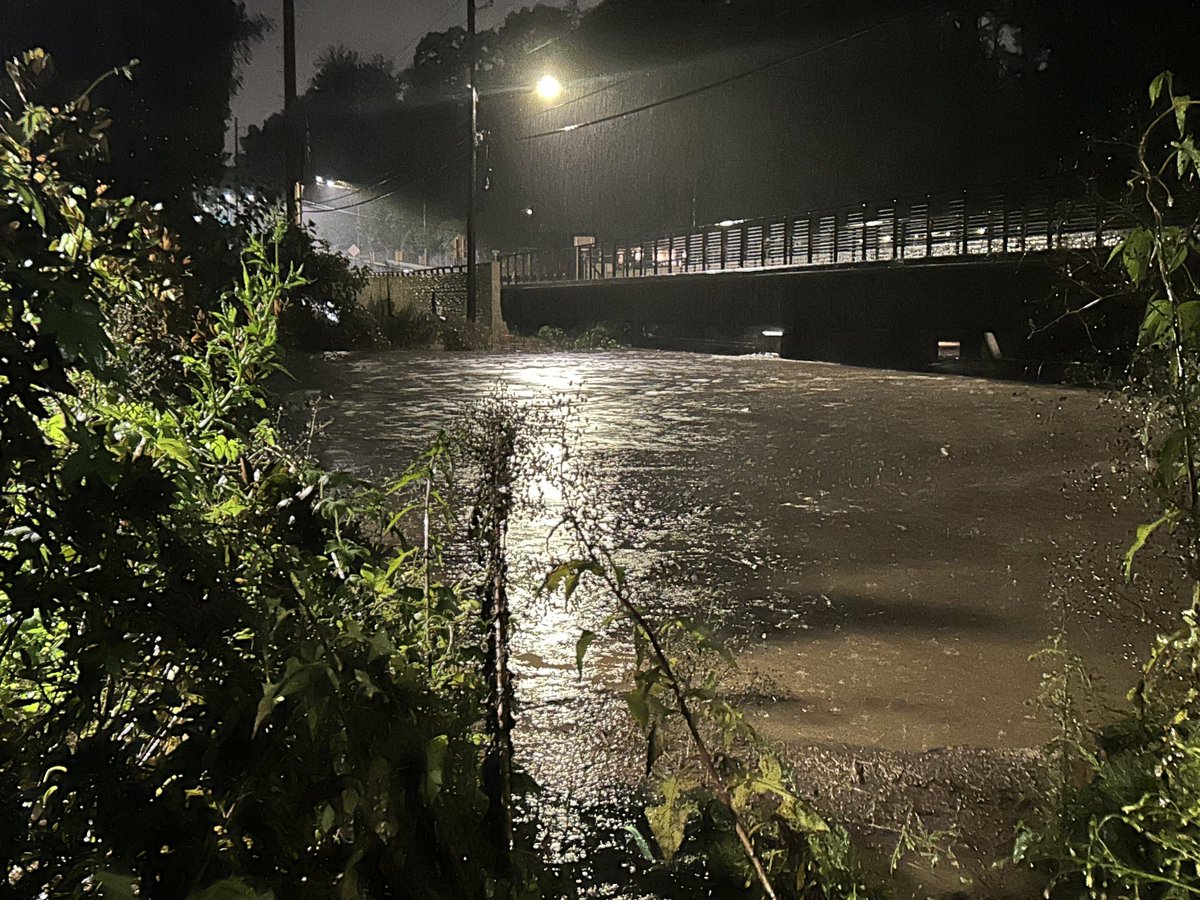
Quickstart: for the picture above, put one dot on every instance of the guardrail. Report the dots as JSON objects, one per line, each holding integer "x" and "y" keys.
{"x": 960, "y": 225}
{"x": 429, "y": 270}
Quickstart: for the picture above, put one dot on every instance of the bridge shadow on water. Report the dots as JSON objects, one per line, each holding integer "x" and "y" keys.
{"x": 813, "y": 617}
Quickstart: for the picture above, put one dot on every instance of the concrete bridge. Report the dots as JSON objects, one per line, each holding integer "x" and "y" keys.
{"x": 895, "y": 283}
{"x": 899, "y": 283}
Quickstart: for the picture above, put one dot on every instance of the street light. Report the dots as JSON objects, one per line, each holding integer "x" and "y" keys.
{"x": 548, "y": 88}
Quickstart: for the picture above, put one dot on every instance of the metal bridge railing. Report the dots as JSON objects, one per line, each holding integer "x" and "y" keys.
{"x": 962, "y": 225}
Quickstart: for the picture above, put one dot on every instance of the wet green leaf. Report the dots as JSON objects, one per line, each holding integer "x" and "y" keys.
{"x": 639, "y": 707}
{"x": 668, "y": 820}
{"x": 1181, "y": 104}
{"x": 1186, "y": 155}
{"x": 175, "y": 449}
{"x": 266, "y": 704}
{"x": 581, "y": 649}
{"x": 1162, "y": 79}
{"x": 79, "y": 330}
{"x": 1155, "y": 330}
{"x": 114, "y": 886}
{"x": 435, "y": 765}
{"x": 1144, "y": 533}
{"x": 1136, "y": 253}
{"x": 642, "y": 844}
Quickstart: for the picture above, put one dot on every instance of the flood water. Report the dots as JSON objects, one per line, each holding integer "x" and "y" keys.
{"x": 884, "y": 549}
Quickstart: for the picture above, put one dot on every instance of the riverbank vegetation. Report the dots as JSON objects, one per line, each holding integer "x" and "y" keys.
{"x": 1123, "y": 819}
{"x": 214, "y": 678}
{"x": 598, "y": 337}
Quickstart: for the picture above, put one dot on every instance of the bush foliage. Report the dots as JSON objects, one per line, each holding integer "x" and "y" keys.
{"x": 223, "y": 671}
{"x": 1126, "y": 816}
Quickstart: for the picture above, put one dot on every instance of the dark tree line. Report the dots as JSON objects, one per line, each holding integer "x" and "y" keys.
{"x": 168, "y": 137}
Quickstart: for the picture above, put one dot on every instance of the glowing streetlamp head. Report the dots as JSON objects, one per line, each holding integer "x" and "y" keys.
{"x": 548, "y": 88}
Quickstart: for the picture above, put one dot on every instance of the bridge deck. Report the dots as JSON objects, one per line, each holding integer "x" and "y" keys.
{"x": 928, "y": 230}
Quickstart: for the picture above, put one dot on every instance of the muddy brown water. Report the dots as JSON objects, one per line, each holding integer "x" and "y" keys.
{"x": 884, "y": 549}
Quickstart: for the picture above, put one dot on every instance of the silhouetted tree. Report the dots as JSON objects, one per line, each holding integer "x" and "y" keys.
{"x": 169, "y": 133}
{"x": 347, "y": 83}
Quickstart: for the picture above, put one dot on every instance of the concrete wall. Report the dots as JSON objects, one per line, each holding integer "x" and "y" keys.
{"x": 445, "y": 290}
{"x": 887, "y": 314}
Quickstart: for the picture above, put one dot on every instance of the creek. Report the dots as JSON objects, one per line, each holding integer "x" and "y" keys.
{"x": 884, "y": 550}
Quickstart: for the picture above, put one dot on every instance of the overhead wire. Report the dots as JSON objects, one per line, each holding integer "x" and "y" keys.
{"x": 431, "y": 172}
{"x": 600, "y": 90}
{"x": 738, "y": 76}
{"x": 395, "y": 173}
{"x": 450, "y": 8}
{"x": 316, "y": 207}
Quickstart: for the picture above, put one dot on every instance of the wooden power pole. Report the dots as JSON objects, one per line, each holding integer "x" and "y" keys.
{"x": 473, "y": 174}
{"x": 293, "y": 152}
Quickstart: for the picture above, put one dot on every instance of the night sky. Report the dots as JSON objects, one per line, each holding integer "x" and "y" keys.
{"x": 390, "y": 27}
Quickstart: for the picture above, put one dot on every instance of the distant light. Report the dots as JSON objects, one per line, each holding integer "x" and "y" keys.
{"x": 320, "y": 180}
{"x": 727, "y": 223}
{"x": 528, "y": 210}
{"x": 773, "y": 332}
{"x": 874, "y": 223}
{"x": 548, "y": 87}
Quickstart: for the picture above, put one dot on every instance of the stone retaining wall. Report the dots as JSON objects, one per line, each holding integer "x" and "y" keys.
{"x": 439, "y": 295}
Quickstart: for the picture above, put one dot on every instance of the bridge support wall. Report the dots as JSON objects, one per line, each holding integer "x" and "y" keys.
{"x": 875, "y": 315}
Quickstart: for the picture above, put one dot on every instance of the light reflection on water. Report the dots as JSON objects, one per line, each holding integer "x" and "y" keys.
{"x": 881, "y": 546}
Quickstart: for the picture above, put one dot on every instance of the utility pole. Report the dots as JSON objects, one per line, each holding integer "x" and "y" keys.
{"x": 293, "y": 156}
{"x": 473, "y": 175}
{"x": 237, "y": 166}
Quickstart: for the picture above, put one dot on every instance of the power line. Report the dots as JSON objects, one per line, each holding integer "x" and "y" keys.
{"x": 453, "y": 5}
{"x": 315, "y": 207}
{"x": 390, "y": 176}
{"x": 600, "y": 90}
{"x": 566, "y": 129}
{"x": 616, "y": 116}
{"x": 442, "y": 168}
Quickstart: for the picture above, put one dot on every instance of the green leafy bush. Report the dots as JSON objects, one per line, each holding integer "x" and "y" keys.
{"x": 598, "y": 337}
{"x": 1126, "y": 821}
{"x": 323, "y": 313}
{"x": 223, "y": 671}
